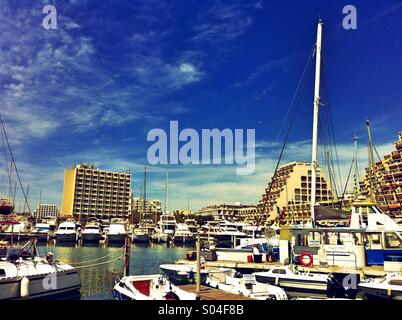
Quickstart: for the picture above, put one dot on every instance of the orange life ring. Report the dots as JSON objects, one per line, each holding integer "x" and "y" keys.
{"x": 303, "y": 255}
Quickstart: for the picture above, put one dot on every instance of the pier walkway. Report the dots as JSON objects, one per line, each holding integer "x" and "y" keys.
{"x": 207, "y": 293}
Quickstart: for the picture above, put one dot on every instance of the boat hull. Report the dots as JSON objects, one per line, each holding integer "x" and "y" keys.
{"x": 116, "y": 238}
{"x": 66, "y": 282}
{"x": 91, "y": 237}
{"x": 371, "y": 293}
{"x": 140, "y": 238}
{"x": 183, "y": 239}
{"x": 295, "y": 285}
{"x": 68, "y": 237}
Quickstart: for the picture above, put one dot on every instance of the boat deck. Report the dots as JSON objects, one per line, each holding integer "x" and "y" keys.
{"x": 371, "y": 271}
{"x": 207, "y": 293}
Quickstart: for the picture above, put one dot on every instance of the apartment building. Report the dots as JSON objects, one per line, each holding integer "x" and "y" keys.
{"x": 92, "y": 192}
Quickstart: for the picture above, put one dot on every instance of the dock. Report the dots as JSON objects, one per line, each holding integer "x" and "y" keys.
{"x": 207, "y": 293}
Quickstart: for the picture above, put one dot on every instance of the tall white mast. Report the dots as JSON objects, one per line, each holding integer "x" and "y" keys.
{"x": 315, "y": 120}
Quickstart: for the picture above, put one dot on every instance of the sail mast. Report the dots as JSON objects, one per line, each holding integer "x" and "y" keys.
{"x": 144, "y": 203}
{"x": 166, "y": 191}
{"x": 372, "y": 169}
{"x": 315, "y": 120}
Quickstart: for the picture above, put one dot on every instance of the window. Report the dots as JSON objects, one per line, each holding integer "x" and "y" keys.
{"x": 392, "y": 240}
{"x": 2, "y": 273}
{"x": 280, "y": 271}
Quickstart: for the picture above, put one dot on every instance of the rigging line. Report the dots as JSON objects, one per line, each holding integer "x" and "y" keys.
{"x": 330, "y": 116}
{"x": 347, "y": 181}
{"x": 15, "y": 166}
{"x": 393, "y": 189}
{"x": 329, "y": 159}
{"x": 300, "y": 85}
{"x": 294, "y": 96}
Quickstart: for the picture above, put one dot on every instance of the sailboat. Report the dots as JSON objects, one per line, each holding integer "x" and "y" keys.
{"x": 166, "y": 226}
{"x": 140, "y": 233}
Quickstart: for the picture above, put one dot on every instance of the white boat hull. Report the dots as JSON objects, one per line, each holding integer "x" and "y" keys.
{"x": 66, "y": 282}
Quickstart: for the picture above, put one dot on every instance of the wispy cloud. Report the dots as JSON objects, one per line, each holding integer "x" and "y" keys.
{"x": 279, "y": 64}
{"x": 223, "y": 22}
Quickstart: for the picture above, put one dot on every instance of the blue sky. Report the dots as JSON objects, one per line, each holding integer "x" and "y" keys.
{"x": 113, "y": 70}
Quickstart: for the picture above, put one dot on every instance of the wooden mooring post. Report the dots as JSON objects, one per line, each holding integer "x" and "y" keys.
{"x": 198, "y": 275}
{"x": 127, "y": 249}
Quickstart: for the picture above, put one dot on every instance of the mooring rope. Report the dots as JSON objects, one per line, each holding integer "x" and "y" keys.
{"x": 99, "y": 263}
{"x": 97, "y": 259}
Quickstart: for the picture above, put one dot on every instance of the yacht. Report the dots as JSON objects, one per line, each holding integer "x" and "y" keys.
{"x": 41, "y": 231}
{"x": 24, "y": 275}
{"x": 91, "y": 233}
{"x": 165, "y": 228}
{"x": 149, "y": 287}
{"x": 290, "y": 279}
{"x": 192, "y": 225}
{"x": 388, "y": 287}
{"x": 140, "y": 235}
{"x": 233, "y": 282}
{"x": 223, "y": 233}
{"x": 66, "y": 232}
{"x": 117, "y": 233}
{"x": 183, "y": 234}
{"x": 181, "y": 274}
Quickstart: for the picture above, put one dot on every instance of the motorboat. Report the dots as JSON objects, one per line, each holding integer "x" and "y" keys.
{"x": 221, "y": 233}
{"x": 185, "y": 273}
{"x": 165, "y": 228}
{"x": 183, "y": 234}
{"x": 24, "y": 275}
{"x": 388, "y": 287}
{"x": 41, "y": 231}
{"x": 140, "y": 235}
{"x": 91, "y": 233}
{"x": 149, "y": 287}
{"x": 66, "y": 232}
{"x": 244, "y": 285}
{"x": 117, "y": 233}
{"x": 192, "y": 225}
{"x": 290, "y": 279}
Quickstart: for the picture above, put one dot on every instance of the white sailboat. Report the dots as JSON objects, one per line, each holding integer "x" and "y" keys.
{"x": 24, "y": 275}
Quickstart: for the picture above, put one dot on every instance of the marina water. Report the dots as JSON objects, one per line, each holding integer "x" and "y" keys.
{"x": 97, "y": 281}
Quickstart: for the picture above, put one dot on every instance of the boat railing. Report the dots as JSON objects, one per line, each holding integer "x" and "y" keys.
{"x": 333, "y": 257}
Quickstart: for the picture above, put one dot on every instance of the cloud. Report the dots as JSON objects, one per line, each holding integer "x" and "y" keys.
{"x": 281, "y": 64}
{"x": 223, "y": 22}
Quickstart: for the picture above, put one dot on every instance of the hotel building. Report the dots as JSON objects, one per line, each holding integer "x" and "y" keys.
{"x": 153, "y": 207}
{"x": 46, "y": 211}
{"x": 225, "y": 211}
{"x": 387, "y": 182}
{"x": 91, "y": 192}
{"x": 289, "y": 199}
